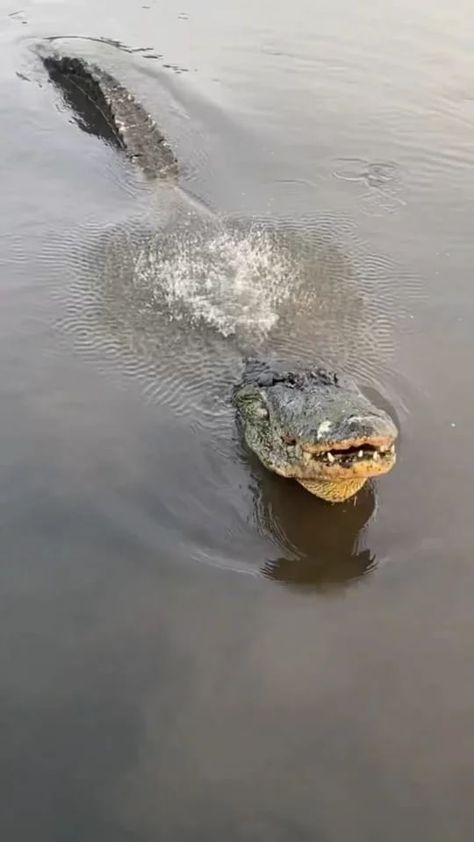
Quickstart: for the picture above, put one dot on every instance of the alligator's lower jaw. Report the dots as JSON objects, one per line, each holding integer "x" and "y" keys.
{"x": 333, "y": 491}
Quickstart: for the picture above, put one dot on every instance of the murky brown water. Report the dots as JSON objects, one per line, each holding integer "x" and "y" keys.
{"x": 191, "y": 648}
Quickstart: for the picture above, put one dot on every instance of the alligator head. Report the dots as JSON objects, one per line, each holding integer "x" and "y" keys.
{"x": 315, "y": 427}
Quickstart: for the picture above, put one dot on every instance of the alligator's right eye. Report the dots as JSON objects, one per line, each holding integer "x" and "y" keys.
{"x": 261, "y": 412}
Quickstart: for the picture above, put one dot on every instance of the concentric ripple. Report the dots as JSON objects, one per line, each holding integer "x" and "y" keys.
{"x": 178, "y": 306}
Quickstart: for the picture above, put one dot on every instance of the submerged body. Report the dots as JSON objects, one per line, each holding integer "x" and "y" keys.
{"x": 304, "y": 424}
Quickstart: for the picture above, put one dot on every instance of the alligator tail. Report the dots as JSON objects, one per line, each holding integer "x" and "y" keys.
{"x": 103, "y": 107}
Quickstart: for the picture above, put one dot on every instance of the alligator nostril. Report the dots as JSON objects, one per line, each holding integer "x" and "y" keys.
{"x": 289, "y": 440}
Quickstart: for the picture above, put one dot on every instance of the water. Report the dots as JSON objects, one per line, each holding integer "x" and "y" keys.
{"x": 193, "y": 648}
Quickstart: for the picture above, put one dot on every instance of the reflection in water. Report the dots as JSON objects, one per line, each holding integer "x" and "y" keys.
{"x": 321, "y": 545}
{"x": 145, "y": 696}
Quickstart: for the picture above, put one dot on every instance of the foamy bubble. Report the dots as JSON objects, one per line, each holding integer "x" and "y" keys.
{"x": 232, "y": 281}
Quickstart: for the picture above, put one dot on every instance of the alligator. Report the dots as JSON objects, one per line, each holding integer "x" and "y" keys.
{"x": 307, "y": 424}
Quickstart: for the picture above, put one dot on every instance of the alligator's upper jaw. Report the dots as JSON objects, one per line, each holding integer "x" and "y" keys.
{"x": 351, "y": 458}
{"x": 335, "y": 472}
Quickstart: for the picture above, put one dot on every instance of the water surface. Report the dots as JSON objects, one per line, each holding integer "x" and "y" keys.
{"x": 193, "y": 648}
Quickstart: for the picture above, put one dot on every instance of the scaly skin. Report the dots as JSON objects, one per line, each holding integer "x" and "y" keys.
{"x": 307, "y": 425}
{"x": 314, "y": 427}
{"x": 103, "y": 106}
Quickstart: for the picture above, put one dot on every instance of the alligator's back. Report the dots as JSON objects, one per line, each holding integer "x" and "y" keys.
{"x": 102, "y": 106}
{"x": 261, "y": 281}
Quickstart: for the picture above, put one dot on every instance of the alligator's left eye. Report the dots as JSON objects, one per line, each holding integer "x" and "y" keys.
{"x": 261, "y": 412}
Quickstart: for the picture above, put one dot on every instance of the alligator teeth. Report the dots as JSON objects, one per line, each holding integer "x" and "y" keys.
{"x": 375, "y": 456}
{"x": 331, "y": 458}
{"x": 360, "y": 454}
